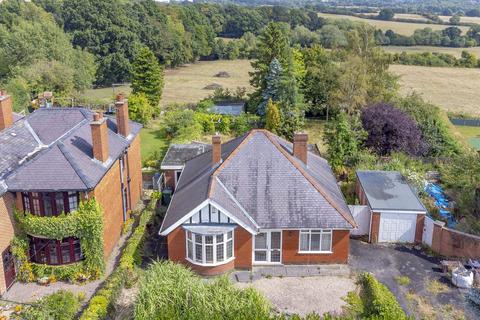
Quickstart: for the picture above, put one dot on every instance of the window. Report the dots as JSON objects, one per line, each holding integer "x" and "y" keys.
{"x": 55, "y": 252}
{"x": 50, "y": 203}
{"x": 209, "y": 249}
{"x": 316, "y": 240}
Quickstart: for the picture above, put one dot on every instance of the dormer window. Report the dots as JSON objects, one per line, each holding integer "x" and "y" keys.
{"x": 48, "y": 204}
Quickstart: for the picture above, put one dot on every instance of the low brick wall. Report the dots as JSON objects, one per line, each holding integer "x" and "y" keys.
{"x": 452, "y": 243}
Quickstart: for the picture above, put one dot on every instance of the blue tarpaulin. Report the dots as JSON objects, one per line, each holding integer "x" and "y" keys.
{"x": 441, "y": 202}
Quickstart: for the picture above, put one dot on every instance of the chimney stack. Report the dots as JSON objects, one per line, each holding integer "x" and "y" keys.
{"x": 121, "y": 105}
{"x": 99, "y": 137}
{"x": 300, "y": 141}
{"x": 216, "y": 149}
{"x": 6, "y": 112}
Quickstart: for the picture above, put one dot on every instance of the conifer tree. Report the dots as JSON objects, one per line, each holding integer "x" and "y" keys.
{"x": 273, "y": 117}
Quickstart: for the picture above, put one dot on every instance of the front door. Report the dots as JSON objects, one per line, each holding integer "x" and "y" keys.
{"x": 267, "y": 247}
{"x": 8, "y": 267}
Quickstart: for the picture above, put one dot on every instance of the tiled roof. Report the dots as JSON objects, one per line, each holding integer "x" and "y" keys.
{"x": 51, "y": 149}
{"x": 260, "y": 180}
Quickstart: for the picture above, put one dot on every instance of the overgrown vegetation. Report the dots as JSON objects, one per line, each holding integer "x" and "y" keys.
{"x": 98, "y": 306}
{"x": 61, "y": 305}
{"x": 86, "y": 224}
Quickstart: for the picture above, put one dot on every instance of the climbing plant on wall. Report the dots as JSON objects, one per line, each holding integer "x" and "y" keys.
{"x": 85, "y": 224}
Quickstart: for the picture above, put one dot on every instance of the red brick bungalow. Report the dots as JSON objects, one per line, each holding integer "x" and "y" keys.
{"x": 257, "y": 200}
{"x": 52, "y": 159}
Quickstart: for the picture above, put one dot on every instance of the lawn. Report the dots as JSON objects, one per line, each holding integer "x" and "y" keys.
{"x": 105, "y": 95}
{"x": 453, "y": 89}
{"x": 457, "y": 52}
{"x": 404, "y": 28}
{"x": 472, "y": 134}
{"x": 315, "y": 128}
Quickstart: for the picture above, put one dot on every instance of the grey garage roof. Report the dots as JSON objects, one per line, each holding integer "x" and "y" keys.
{"x": 388, "y": 190}
{"x": 228, "y": 108}
{"x": 263, "y": 185}
{"x": 51, "y": 149}
{"x": 178, "y": 154}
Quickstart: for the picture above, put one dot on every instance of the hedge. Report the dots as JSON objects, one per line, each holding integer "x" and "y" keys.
{"x": 378, "y": 301}
{"x": 99, "y": 305}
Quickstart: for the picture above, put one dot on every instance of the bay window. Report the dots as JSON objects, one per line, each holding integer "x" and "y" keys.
{"x": 50, "y": 203}
{"x": 55, "y": 252}
{"x": 209, "y": 249}
{"x": 316, "y": 241}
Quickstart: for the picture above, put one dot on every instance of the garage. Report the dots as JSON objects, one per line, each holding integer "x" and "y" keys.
{"x": 396, "y": 212}
{"x": 397, "y": 227}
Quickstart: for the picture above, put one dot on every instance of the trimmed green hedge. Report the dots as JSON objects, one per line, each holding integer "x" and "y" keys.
{"x": 378, "y": 301}
{"x": 86, "y": 224}
{"x": 98, "y": 306}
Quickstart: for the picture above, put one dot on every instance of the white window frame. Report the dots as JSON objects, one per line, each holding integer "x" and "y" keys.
{"x": 314, "y": 231}
{"x": 204, "y": 245}
{"x": 268, "y": 249}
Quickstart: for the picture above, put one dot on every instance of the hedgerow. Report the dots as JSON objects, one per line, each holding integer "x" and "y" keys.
{"x": 99, "y": 305}
{"x": 86, "y": 224}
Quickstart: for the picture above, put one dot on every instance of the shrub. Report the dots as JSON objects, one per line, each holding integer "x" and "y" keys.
{"x": 171, "y": 291}
{"x": 181, "y": 125}
{"x": 378, "y": 300}
{"x": 390, "y": 129}
{"x": 61, "y": 305}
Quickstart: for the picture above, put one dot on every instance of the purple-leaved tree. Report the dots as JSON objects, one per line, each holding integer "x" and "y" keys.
{"x": 390, "y": 129}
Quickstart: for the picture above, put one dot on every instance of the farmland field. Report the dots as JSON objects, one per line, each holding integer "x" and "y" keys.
{"x": 453, "y": 89}
{"x": 462, "y": 19}
{"x": 417, "y": 49}
{"x": 404, "y": 28}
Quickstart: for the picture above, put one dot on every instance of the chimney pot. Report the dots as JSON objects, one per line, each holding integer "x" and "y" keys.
{"x": 300, "y": 149}
{"x": 216, "y": 149}
{"x": 6, "y": 111}
{"x": 100, "y": 137}
{"x": 123, "y": 125}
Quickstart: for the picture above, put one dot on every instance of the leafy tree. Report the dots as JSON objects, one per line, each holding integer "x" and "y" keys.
{"x": 468, "y": 60}
{"x": 386, "y": 14}
{"x": 390, "y": 129}
{"x": 273, "y": 117}
{"x": 342, "y": 142}
{"x": 321, "y": 80}
{"x": 180, "y": 124}
{"x": 147, "y": 77}
{"x": 139, "y": 108}
{"x": 351, "y": 93}
{"x": 455, "y": 19}
{"x": 332, "y": 37}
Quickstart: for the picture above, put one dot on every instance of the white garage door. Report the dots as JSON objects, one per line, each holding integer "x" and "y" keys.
{"x": 397, "y": 227}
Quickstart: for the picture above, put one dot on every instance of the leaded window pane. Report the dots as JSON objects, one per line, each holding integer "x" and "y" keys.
{"x": 220, "y": 253}
{"x": 208, "y": 239}
{"x": 219, "y": 238}
{"x": 275, "y": 240}
{"x": 198, "y": 253}
{"x": 260, "y": 256}
{"x": 261, "y": 241}
{"x": 275, "y": 256}
{"x": 190, "y": 250}
{"x": 209, "y": 254}
{"x": 229, "y": 249}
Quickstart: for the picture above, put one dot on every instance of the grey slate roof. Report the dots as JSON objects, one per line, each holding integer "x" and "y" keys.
{"x": 51, "y": 149}
{"x": 178, "y": 154}
{"x": 260, "y": 180}
{"x": 388, "y": 190}
{"x": 228, "y": 108}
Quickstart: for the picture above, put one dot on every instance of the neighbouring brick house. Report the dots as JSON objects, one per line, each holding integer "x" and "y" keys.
{"x": 54, "y": 158}
{"x": 257, "y": 200}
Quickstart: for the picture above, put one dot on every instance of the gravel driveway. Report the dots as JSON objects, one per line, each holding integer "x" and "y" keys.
{"x": 417, "y": 298}
{"x": 304, "y": 295}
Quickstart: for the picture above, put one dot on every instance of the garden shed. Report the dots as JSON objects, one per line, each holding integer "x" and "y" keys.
{"x": 396, "y": 213}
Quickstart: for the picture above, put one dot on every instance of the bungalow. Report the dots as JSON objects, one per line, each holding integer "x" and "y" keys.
{"x": 257, "y": 200}
{"x": 54, "y": 158}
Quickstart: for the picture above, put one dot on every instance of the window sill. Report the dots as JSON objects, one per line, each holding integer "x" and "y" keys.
{"x": 315, "y": 252}
{"x": 210, "y": 264}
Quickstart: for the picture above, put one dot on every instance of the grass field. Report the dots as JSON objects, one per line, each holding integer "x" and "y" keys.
{"x": 186, "y": 84}
{"x": 404, "y": 28}
{"x": 462, "y": 19}
{"x": 417, "y": 49}
{"x": 453, "y": 89}
{"x": 471, "y": 134}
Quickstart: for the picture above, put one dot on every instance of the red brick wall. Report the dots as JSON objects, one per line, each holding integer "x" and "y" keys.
{"x": 361, "y": 194}
{"x": 109, "y": 196}
{"x": 374, "y": 227}
{"x": 290, "y": 245}
{"x": 7, "y": 203}
{"x": 419, "y": 228}
{"x": 242, "y": 252}
{"x": 452, "y": 243}
{"x": 135, "y": 169}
